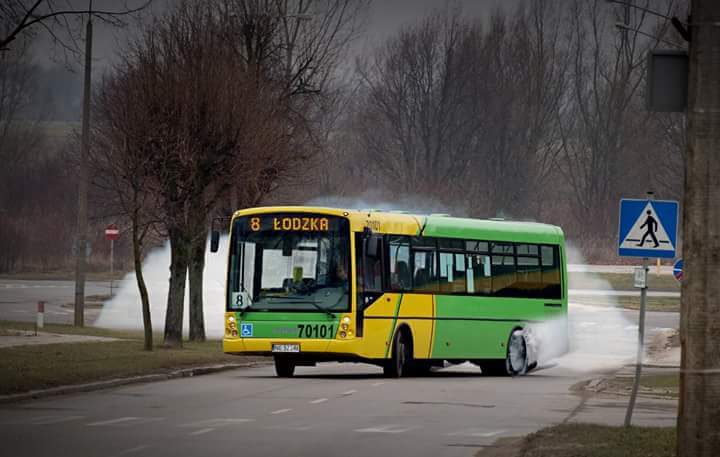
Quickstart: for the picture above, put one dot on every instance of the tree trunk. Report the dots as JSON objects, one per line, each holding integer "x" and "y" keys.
{"x": 144, "y": 298}
{"x": 197, "y": 266}
{"x": 179, "y": 247}
{"x": 698, "y": 412}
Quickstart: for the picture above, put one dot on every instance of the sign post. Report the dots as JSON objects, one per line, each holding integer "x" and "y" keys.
{"x": 112, "y": 233}
{"x": 647, "y": 229}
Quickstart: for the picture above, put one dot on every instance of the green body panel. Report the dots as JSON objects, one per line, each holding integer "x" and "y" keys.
{"x": 284, "y": 324}
{"x": 479, "y": 327}
{"x": 477, "y": 229}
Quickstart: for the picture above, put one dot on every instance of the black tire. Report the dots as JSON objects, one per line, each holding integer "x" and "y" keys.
{"x": 401, "y": 358}
{"x": 284, "y": 368}
{"x": 420, "y": 368}
{"x": 494, "y": 368}
{"x": 517, "y": 354}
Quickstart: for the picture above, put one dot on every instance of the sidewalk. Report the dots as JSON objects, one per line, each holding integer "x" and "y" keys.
{"x": 10, "y": 338}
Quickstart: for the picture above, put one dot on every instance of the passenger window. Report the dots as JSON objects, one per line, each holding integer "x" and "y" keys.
{"x": 400, "y": 274}
{"x": 479, "y": 280}
{"x": 424, "y": 271}
{"x": 551, "y": 272}
{"x": 453, "y": 278}
{"x": 529, "y": 274}
{"x": 503, "y": 274}
{"x": 369, "y": 273}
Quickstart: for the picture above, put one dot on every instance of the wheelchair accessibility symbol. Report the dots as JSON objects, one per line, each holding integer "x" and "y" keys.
{"x": 246, "y": 330}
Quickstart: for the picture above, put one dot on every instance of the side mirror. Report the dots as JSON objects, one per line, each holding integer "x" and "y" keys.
{"x": 214, "y": 241}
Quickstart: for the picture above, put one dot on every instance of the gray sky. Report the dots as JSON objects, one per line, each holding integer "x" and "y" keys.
{"x": 384, "y": 19}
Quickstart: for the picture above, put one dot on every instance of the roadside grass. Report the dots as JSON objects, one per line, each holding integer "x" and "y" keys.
{"x": 61, "y": 275}
{"x": 589, "y": 440}
{"x": 25, "y": 368}
{"x": 663, "y": 385}
{"x": 620, "y": 281}
{"x": 31, "y": 367}
{"x": 668, "y": 304}
{"x": 72, "y": 330}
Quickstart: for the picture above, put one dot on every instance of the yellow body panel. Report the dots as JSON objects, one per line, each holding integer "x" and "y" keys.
{"x": 415, "y": 305}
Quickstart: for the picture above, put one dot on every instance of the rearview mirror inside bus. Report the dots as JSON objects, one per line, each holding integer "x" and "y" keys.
{"x": 214, "y": 241}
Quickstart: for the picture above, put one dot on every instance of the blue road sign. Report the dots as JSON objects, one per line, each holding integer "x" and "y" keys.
{"x": 647, "y": 228}
{"x": 678, "y": 270}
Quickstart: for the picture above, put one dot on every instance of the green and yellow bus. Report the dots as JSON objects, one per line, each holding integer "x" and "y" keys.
{"x": 405, "y": 292}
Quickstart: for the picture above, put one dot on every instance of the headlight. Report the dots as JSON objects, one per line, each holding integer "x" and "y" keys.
{"x": 346, "y": 320}
{"x": 344, "y": 326}
{"x": 343, "y": 334}
{"x": 231, "y": 319}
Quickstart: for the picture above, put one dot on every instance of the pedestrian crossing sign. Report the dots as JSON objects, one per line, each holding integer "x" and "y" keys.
{"x": 647, "y": 228}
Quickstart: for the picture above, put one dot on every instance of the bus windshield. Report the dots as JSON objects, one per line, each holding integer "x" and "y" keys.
{"x": 289, "y": 262}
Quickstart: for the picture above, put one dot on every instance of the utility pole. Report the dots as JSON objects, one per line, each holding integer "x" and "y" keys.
{"x": 82, "y": 215}
{"x": 699, "y": 407}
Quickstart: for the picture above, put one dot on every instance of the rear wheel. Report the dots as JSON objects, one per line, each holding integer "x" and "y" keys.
{"x": 401, "y": 357}
{"x": 284, "y": 368}
{"x": 517, "y": 355}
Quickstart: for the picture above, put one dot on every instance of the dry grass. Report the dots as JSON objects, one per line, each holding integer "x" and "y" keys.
{"x": 24, "y": 368}
{"x": 589, "y": 440}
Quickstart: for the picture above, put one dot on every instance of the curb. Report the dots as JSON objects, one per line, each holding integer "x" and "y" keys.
{"x": 100, "y": 385}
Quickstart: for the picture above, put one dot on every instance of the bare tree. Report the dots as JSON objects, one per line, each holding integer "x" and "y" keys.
{"x": 58, "y": 18}
{"x": 122, "y": 162}
{"x": 604, "y": 118}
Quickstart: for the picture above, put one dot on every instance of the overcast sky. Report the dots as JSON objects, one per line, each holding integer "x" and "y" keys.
{"x": 385, "y": 18}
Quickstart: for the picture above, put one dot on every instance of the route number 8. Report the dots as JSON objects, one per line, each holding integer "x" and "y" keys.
{"x": 255, "y": 224}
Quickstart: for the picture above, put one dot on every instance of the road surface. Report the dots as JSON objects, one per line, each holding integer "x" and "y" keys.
{"x": 329, "y": 410}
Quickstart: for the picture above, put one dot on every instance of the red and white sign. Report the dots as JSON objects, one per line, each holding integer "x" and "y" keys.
{"x": 112, "y": 232}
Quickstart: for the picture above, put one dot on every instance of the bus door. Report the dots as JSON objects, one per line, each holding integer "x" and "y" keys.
{"x": 369, "y": 262}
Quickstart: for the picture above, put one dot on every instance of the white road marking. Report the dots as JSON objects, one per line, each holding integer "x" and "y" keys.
{"x": 349, "y": 392}
{"x": 202, "y": 431}
{"x": 392, "y": 428}
{"x": 134, "y": 449}
{"x": 477, "y": 432}
{"x": 217, "y": 422}
{"x": 319, "y": 400}
{"x": 47, "y": 420}
{"x": 119, "y": 420}
{"x": 280, "y": 411}
{"x": 375, "y": 384}
{"x": 299, "y": 428}
{"x": 126, "y": 421}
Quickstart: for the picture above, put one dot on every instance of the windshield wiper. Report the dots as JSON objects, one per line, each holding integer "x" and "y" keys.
{"x": 302, "y": 300}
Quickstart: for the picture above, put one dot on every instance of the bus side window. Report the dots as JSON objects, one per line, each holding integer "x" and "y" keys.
{"x": 399, "y": 264}
{"x": 369, "y": 273}
{"x": 479, "y": 280}
{"x": 503, "y": 269}
{"x": 550, "y": 260}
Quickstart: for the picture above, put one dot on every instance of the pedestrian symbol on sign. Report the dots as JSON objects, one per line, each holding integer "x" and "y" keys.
{"x": 652, "y": 226}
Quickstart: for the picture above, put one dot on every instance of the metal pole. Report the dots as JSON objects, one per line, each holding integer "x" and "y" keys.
{"x": 112, "y": 276}
{"x": 82, "y": 216}
{"x": 641, "y": 339}
{"x": 640, "y": 348}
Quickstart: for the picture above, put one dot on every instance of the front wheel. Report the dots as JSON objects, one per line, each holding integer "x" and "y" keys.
{"x": 401, "y": 357}
{"x": 284, "y": 368}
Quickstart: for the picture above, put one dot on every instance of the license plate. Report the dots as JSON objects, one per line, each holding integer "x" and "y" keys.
{"x": 286, "y": 348}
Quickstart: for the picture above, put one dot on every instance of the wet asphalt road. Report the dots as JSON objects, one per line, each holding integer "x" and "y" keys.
{"x": 329, "y": 410}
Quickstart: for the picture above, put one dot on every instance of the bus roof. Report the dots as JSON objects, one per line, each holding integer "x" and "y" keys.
{"x": 401, "y": 223}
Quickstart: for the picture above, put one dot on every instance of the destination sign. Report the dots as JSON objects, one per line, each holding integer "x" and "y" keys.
{"x": 289, "y": 223}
